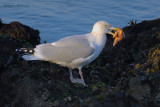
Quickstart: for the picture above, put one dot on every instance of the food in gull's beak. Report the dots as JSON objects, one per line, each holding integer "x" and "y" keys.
{"x": 119, "y": 35}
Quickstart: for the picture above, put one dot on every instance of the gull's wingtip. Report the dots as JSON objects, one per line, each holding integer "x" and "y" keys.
{"x": 30, "y": 57}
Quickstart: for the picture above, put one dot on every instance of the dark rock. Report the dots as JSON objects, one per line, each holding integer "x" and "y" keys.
{"x": 112, "y": 99}
{"x": 20, "y": 31}
{"x": 8, "y": 46}
{"x": 125, "y": 75}
{"x": 15, "y": 35}
{"x": 1, "y": 24}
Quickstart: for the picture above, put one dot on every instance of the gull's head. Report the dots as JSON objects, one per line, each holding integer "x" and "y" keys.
{"x": 102, "y": 27}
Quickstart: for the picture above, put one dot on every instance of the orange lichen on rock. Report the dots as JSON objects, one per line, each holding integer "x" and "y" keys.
{"x": 119, "y": 35}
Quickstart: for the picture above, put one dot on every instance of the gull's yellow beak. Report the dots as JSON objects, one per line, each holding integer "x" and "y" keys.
{"x": 113, "y": 28}
{"x": 116, "y": 29}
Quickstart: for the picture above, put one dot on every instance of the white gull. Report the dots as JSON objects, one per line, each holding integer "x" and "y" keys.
{"x": 74, "y": 51}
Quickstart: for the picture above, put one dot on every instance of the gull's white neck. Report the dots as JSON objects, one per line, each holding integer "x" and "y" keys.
{"x": 100, "y": 38}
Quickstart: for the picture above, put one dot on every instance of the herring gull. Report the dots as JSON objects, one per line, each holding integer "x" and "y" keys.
{"x": 75, "y": 51}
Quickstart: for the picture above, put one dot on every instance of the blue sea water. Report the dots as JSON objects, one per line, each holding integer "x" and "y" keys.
{"x": 56, "y": 19}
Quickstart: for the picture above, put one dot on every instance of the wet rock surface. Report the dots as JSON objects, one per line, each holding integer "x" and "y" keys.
{"x": 112, "y": 99}
{"x": 20, "y": 31}
{"x": 125, "y": 75}
{"x": 15, "y": 35}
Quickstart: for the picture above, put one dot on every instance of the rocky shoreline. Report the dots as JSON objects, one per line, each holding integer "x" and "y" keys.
{"x": 125, "y": 75}
{"x": 15, "y": 35}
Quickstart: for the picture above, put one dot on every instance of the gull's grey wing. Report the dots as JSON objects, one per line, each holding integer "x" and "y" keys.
{"x": 76, "y": 41}
{"x": 65, "y": 50}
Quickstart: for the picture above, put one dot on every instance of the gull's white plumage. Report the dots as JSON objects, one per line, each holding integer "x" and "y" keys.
{"x": 74, "y": 51}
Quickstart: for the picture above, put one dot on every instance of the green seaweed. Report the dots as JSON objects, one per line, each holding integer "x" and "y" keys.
{"x": 132, "y": 22}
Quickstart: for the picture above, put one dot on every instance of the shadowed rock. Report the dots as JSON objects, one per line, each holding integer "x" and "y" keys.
{"x": 131, "y": 69}
{"x": 20, "y": 31}
{"x": 15, "y": 35}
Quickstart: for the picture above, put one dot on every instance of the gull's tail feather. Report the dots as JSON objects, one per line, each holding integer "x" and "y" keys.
{"x": 25, "y": 50}
{"x": 30, "y": 57}
{"x": 27, "y": 54}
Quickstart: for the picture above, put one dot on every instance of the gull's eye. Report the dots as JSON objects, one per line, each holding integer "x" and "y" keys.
{"x": 108, "y": 25}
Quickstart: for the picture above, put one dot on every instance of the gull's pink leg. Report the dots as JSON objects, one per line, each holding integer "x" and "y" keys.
{"x": 71, "y": 76}
{"x": 77, "y": 79}
{"x": 81, "y": 75}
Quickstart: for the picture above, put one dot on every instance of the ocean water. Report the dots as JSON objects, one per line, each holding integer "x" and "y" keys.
{"x": 56, "y": 19}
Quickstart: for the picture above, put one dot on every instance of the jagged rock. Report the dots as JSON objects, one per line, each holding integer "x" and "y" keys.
{"x": 20, "y": 31}
{"x": 12, "y": 36}
{"x": 112, "y": 99}
{"x": 8, "y": 46}
{"x": 131, "y": 70}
